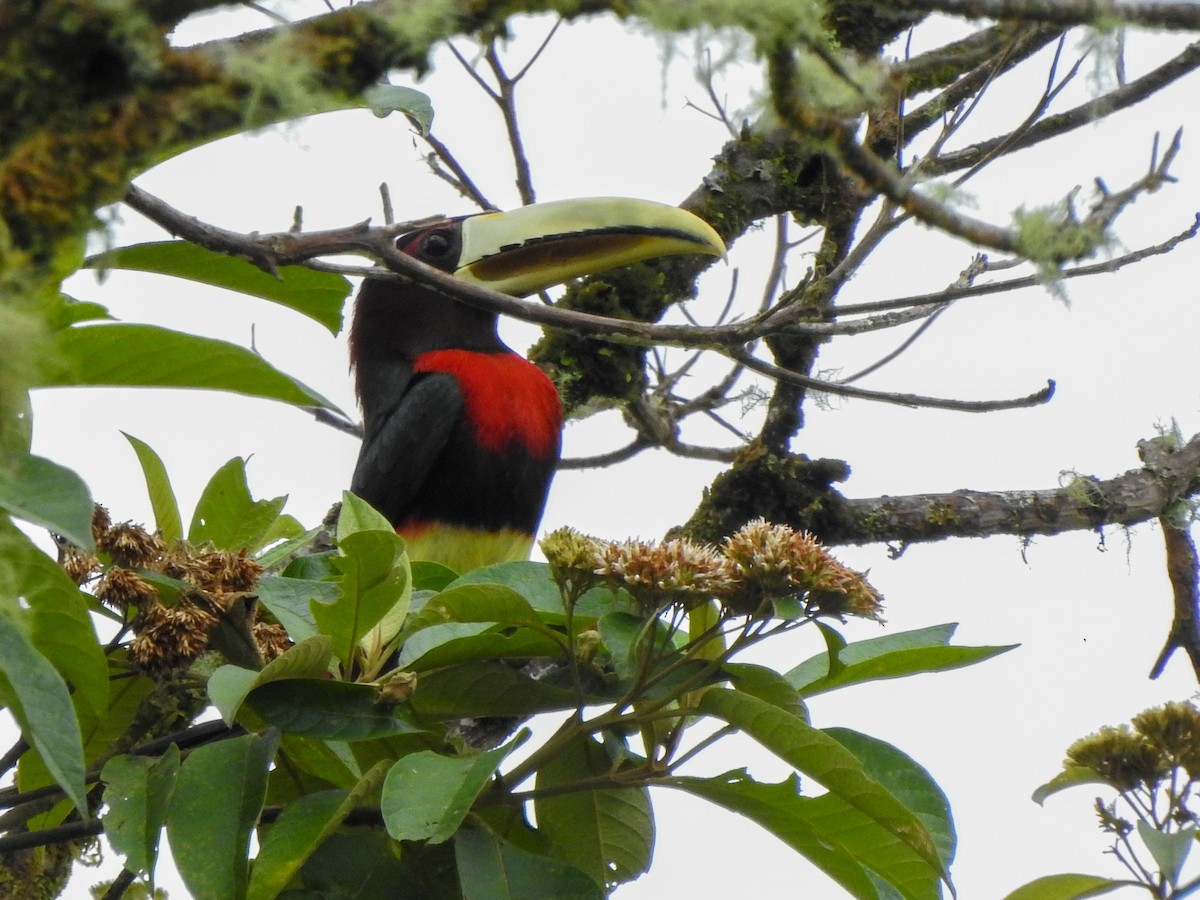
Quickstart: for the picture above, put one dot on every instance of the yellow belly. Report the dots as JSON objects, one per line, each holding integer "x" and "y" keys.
{"x": 464, "y": 549}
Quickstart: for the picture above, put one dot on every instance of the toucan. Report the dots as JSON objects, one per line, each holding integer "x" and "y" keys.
{"x": 461, "y": 435}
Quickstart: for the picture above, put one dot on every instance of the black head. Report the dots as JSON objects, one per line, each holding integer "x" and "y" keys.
{"x": 395, "y": 320}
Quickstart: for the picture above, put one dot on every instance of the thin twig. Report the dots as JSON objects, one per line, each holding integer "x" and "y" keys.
{"x": 912, "y": 400}
{"x": 193, "y": 736}
{"x": 120, "y": 884}
{"x": 611, "y": 458}
{"x": 1080, "y": 116}
{"x": 457, "y": 176}
{"x": 997, "y": 287}
{"x": 333, "y": 420}
{"x": 385, "y": 197}
{"x": 506, "y": 99}
{"x": 965, "y": 278}
{"x": 14, "y": 753}
{"x": 1039, "y": 109}
{"x": 470, "y": 70}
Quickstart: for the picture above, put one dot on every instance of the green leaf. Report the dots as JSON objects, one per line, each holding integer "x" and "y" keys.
{"x": 318, "y": 295}
{"x": 44, "y": 493}
{"x": 606, "y": 832}
{"x": 361, "y": 863}
{"x": 217, "y": 800}
{"x": 158, "y": 486}
{"x": 767, "y": 684}
{"x": 283, "y": 530}
{"x": 233, "y": 635}
{"x": 63, "y": 310}
{"x": 426, "y": 795}
{"x": 137, "y": 794}
{"x": 374, "y": 582}
{"x": 623, "y": 635}
{"x": 229, "y": 685}
{"x": 291, "y": 840}
{"x": 287, "y": 599}
{"x": 448, "y": 645}
{"x": 488, "y": 689}
{"x": 496, "y": 603}
{"x": 834, "y": 645}
{"x": 908, "y": 781}
{"x": 388, "y": 98}
{"x": 358, "y": 515}
{"x": 817, "y": 667}
{"x": 120, "y": 354}
{"x": 42, "y": 706}
{"x": 1066, "y": 887}
{"x": 704, "y": 626}
{"x": 62, "y": 631}
{"x": 56, "y": 612}
{"x": 825, "y": 760}
{"x": 848, "y": 846}
{"x": 431, "y": 576}
{"x": 532, "y": 580}
{"x": 298, "y": 756}
{"x": 1069, "y": 777}
{"x": 299, "y": 831}
{"x": 489, "y": 867}
{"x": 329, "y": 710}
{"x": 169, "y": 589}
{"x": 891, "y": 656}
{"x": 366, "y": 754}
{"x": 1170, "y": 851}
{"x": 673, "y": 676}
{"x": 313, "y": 566}
{"x": 275, "y": 555}
{"x": 101, "y": 733}
{"x": 227, "y": 516}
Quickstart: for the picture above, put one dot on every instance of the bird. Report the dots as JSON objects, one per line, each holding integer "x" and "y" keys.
{"x": 461, "y": 435}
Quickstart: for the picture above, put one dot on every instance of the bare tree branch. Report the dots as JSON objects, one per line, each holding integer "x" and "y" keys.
{"x": 995, "y": 287}
{"x": 1179, "y": 15}
{"x": 1182, "y": 568}
{"x": 1003, "y": 58}
{"x": 1085, "y": 114}
{"x": 1171, "y": 472}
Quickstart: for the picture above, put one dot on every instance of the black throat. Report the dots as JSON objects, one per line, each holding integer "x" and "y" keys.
{"x": 398, "y": 321}
{"x": 394, "y": 323}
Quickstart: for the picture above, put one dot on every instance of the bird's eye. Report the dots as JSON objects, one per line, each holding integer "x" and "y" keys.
{"x": 437, "y": 246}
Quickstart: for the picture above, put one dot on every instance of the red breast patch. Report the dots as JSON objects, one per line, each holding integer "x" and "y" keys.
{"x": 508, "y": 399}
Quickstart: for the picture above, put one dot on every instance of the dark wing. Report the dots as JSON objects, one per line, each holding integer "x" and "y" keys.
{"x": 403, "y": 441}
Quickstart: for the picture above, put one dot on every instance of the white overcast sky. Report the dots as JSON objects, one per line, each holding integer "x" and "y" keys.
{"x": 604, "y": 114}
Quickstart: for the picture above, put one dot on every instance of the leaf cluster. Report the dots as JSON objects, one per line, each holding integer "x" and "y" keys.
{"x": 1152, "y": 764}
{"x": 378, "y": 747}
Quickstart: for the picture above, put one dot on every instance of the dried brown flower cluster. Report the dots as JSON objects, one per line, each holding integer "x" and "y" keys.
{"x": 1162, "y": 739}
{"x": 168, "y": 637}
{"x": 759, "y": 563}
{"x": 665, "y": 573}
{"x": 82, "y": 567}
{"x": 173, "y": 630}
{"x": 777, "y": 561}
